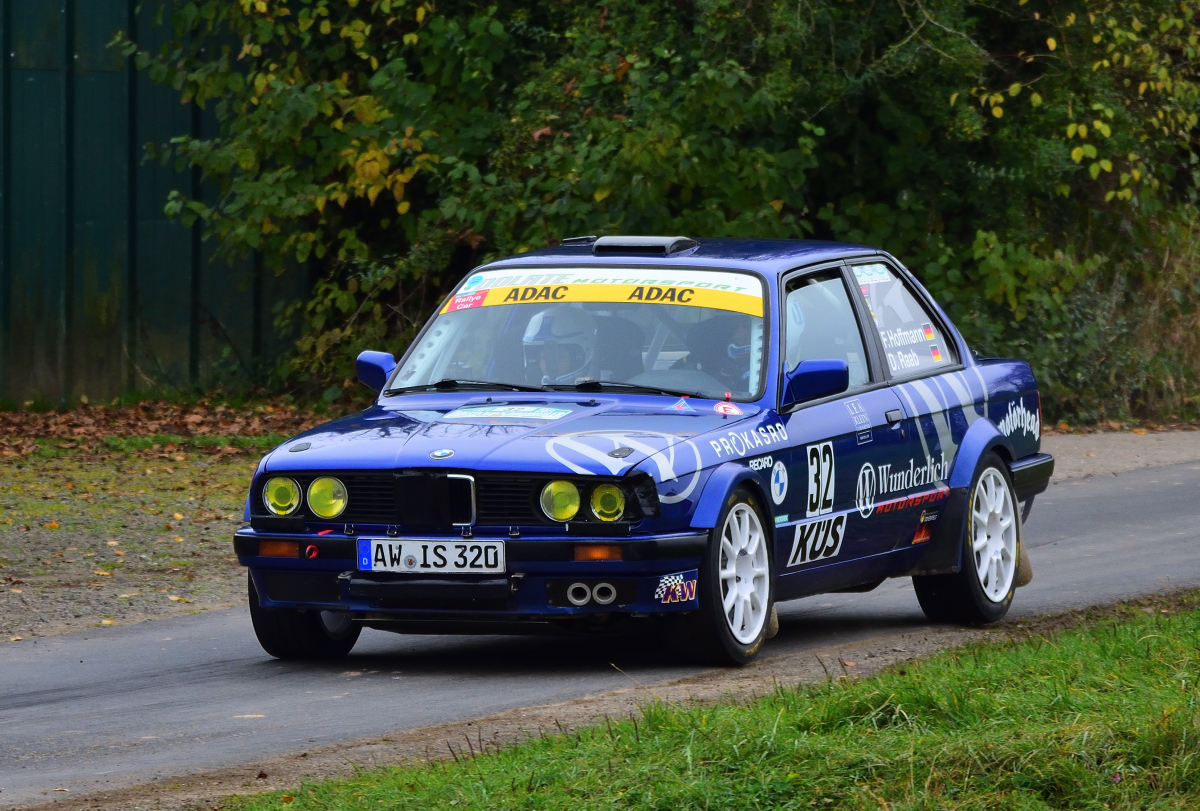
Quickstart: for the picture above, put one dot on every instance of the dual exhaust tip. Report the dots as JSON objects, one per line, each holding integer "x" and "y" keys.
{"x": 580, "y": 594}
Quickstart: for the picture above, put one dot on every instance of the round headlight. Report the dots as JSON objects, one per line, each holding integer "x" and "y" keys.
{"x": 281, "y": 495}
{"x": 560, "y": 500}
{"x": 327, "y": 497}
{"x": 608, "y": 502}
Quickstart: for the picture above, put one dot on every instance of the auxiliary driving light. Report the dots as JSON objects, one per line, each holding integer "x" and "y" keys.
{"x": 608, "y": 502}
{"x": 281, "y": 495}
{"x": 560, "y": 500}
{"x": 327, "y": 497}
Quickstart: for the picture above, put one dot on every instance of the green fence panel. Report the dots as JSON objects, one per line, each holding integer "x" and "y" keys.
{"x": 38, "y": 185}
{"x": 101, "y": 202}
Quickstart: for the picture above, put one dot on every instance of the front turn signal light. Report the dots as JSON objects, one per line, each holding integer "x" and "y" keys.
{"x": 327, "y": 497}
{"x": 560, "y": 500}
{"x": 281, "y": 495}
{"x": 608, "y": 502}
{"x": 597, "y": 551}
{"x": 278, "y": 549}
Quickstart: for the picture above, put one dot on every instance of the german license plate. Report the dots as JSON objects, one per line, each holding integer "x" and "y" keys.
{"x": 427, "y": 557}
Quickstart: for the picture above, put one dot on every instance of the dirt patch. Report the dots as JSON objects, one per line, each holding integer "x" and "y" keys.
{"x": 89, "y": 540}
{"x": 467, "y": 738}
{"x": 1080, "y": 456}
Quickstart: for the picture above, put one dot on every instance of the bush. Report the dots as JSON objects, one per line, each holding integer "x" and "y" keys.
{"x": 1034, "y": 164}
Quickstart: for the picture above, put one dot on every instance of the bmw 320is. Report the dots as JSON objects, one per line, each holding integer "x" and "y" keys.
{"x": 662, "y": 430}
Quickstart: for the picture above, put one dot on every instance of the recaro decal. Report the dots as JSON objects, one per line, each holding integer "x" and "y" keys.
{"x": 762, "y": 463}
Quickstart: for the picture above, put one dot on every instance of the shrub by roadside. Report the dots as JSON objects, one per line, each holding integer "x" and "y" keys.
{"x": 1101, "y": 715}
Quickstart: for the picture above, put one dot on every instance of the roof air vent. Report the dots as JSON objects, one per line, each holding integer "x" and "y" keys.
{"x": 642, "y": 246}
{"x": 573, "y": 241}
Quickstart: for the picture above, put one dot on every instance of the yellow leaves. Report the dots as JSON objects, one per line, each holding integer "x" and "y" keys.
{"x": 103, "y": 573}
{"x": 106, "y": 622}
{"x": 178, "y": 516}
{"x": 112, "y": 543}
{"x": 600, "y": 194}
{"x": 421, "y": 14}
{"x": 177, "y": 599}
{"x": 1070, "y": 19}
{"x": 325, "y": 27}
{"x": 1014, "y": 88}
{"x": 1051, "y": 43}
{"x": 776, "y": 204}
{"x": 51, "y": 525}
{"x": 410, "y": 39}
{"x": 953, "y": 98}
{"x": 998, "y": 111}
{"x": 1083, "y": 130}
{"x": 1036, "y": 100}
{"x": 403, "y": 207}
{"x": 1106, "y": 164}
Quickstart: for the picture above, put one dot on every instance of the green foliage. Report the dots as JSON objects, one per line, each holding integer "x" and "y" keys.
{"x": 1007, "y": 152}
{"x": 1106, "y": 716}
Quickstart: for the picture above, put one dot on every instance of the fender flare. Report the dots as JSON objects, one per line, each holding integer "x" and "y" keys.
{"x": 944, "y": 554}
{"x": 720, "y": 484}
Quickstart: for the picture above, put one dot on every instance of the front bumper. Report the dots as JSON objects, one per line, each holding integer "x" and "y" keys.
{"x": 656, "y": 574}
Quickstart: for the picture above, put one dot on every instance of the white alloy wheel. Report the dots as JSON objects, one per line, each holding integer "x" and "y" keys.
{"x": 744, "y": 573}
{"x": 994, "y": 535}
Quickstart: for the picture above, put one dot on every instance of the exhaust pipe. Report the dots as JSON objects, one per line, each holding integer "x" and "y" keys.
{"x": 604, "y": 593}
{"x": 580, "y": 594}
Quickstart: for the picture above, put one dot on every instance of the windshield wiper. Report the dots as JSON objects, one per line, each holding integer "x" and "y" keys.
{"x": 601, "y": 385}
{"x": 449, "y": 384}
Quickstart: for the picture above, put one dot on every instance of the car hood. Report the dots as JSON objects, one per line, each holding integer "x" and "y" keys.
{"x": 569, "y": 435}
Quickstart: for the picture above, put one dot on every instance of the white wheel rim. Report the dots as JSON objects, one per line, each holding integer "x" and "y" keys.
{"x": 744, "y": 571}
{"x": 994, "y": 535}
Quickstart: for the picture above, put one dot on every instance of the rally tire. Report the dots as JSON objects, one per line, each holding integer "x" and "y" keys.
{"x": 981, "y": 591}
{"x": 288, "y": 633}
{"x": 729, "y": 629}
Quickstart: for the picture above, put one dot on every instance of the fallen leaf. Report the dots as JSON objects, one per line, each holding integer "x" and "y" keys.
{"x": 16, "y": 591}
{"x": 170, "y": 527}
{"x": 62, "y": 789}
{"x": 130, "y": 594}
{"x": 1139, "y": 430}
{"x": 178, "y": 599}
{"x": 178, "y": 516}
{"x": 106, "y": 622}
{"x": 112, "y": 543}
{"x": 287, "y": 798}
{"x": 262, "y": 775}
{"x": 54, "y": 525}
{"x": 102, "y": 573}
{"x": 118, "y": 552}
{"x": 15, "y": 638}
{"x": 849, "y": 664}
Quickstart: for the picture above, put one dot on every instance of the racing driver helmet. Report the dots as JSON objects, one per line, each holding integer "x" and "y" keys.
{"x": 559, "y": 344}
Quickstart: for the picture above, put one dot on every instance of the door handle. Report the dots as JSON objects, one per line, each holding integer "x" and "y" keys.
{"x": 894, "y": 416}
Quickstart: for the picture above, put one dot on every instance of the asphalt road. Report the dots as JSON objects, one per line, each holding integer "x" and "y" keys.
{"x": 117, "y": 707}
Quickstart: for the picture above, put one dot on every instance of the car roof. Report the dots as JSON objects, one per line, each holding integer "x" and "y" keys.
{"x": 769, "y": 257}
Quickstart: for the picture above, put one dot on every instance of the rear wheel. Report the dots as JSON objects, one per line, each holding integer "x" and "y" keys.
{"x": 982, "y": 590}
{"x": 736, "y": 586}
{"x": 288, "y": 633}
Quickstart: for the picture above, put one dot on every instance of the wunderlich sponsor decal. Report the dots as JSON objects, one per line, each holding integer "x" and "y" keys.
{"x": 1020, "y": 418}
{"x": 880, "y": 480}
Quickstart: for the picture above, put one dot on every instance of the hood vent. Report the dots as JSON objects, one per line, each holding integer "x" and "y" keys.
{"x": 642, "y": 246}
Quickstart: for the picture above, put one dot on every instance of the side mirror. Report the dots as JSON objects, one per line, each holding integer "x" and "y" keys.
{"x": 813, "y": 379}
{"x": 374, "y": 369}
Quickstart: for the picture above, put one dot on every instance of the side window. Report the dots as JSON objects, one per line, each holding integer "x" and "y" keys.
{"x": 821, "y": 324}
{"x": 912, "y": 341}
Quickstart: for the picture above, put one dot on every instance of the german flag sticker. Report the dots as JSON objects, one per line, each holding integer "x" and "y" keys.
{"x": 928, "y": 329}
{"x": 936, "y": 353}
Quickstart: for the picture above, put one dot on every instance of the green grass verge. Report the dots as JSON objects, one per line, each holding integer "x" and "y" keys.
{"x": 1104, "y": 716}
{"x": 49, "y": 448}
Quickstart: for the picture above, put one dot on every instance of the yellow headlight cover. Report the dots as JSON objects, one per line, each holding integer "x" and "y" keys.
{"x": 560, "y": 500}
{"x": 281, "y": 495}
{"x": 327, "y": 497}
{"x": 608, "y": 502}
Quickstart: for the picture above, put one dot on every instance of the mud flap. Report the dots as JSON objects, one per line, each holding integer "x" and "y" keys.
{"x": 944, "y": 554}
{"x": 1024, "y": 568}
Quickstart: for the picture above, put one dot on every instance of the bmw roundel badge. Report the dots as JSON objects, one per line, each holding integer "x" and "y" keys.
{"x": 441, "y": 453}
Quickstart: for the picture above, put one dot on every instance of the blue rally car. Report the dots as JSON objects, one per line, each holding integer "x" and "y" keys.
{"x": 654, "y": 430}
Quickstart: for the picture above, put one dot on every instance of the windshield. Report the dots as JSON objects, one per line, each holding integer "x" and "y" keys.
{"x": 696, "y": 332}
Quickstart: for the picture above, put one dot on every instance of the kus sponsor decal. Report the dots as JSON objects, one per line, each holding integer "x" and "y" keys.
{"x": 740, "y": 443}
{"x": 818, "y": 540}
{"x": 1020, "y": 418}
{"x": 677, "y": 588}
{"x": 880, "y": 480}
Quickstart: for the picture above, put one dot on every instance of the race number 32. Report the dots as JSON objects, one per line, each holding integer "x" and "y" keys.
{"x": 820, "y": 479}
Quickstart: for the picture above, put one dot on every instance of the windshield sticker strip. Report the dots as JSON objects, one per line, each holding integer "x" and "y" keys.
{"x": 731, "y": 301}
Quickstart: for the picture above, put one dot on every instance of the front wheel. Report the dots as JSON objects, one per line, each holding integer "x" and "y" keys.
{"x": 982, "y": 590}
{"x": 737, "y": 585}
{"x": 287, "y": 633}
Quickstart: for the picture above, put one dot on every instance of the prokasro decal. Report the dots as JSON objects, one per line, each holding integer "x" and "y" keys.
{"x": 1020, "y": 418}
{"x": 739, "y": 443}
{"x": 677, "y": 588}
{"x": 880, "y": 480}
{"x": 818, "y": 540}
